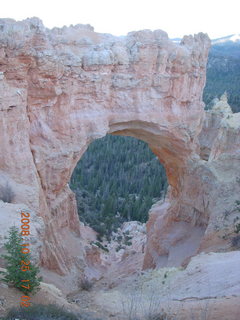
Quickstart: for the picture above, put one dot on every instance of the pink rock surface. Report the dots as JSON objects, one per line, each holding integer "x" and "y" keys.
{"x": 204, "y": 216}
{"x": 63, "y": 88}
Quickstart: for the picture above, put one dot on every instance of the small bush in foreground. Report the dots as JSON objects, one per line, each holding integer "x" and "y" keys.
{"x": 86, "y": 284}
{"x": 40, "y": 312}
{"x": 6, "y": 193}
{"x": 19, "y": 266}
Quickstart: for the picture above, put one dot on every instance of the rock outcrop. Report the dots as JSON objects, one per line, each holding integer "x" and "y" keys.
{"x": 206, "y": 215}
{"x": 204, "y": 290}
{"x": 63, "y": 88}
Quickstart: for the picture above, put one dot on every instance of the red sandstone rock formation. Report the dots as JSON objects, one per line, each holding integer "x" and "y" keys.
{"x": 204, "y": 216}
{"x": 63, "y": 88}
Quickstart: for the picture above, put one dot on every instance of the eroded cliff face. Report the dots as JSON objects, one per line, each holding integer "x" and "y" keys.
{"x": 205, "y": 216}
{"x": 63, "y": 88}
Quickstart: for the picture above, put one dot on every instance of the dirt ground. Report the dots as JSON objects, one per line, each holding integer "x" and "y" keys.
{"x": 205, "y": 290}
{"x": 120, "y": 303}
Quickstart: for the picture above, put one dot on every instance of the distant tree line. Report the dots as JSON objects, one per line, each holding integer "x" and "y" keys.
{"x": 118, "y": 179}
{"x": 223, "y": 74}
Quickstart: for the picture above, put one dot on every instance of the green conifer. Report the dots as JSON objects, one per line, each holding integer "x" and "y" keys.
{"x": 20, "y": 271}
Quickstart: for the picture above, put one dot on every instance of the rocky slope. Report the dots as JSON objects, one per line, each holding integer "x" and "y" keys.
{"x": 204, "y": 290}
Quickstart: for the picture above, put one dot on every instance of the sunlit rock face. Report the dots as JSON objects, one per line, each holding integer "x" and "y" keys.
{"x": 63, "y": 88}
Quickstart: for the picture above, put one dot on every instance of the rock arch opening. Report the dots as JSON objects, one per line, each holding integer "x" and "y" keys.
{"x": 70, "y": 90}
{"x": 117, "y": 180}
{"x": 179, "y": 237}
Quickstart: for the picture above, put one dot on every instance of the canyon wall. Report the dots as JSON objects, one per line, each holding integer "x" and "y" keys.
{"x": 63, "y": 88}
{"x": 205, "y": 216}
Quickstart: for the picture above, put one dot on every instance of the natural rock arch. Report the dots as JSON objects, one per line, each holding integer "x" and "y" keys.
{"x": 66, "y": 87}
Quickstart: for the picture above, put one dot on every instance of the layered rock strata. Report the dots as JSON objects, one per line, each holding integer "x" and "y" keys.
{"x": 63, "y": 88}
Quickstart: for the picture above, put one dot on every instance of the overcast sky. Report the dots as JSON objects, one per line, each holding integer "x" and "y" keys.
{"x": 177, "y": 17}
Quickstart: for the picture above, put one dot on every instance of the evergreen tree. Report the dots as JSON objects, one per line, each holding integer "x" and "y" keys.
{"x": 20, "y": 272}
{"x": 110, "y": 178}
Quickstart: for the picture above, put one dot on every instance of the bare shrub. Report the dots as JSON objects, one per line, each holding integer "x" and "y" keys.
{"x": 137, "y": 307}
{"x": 130, "y": 306}
{"x": 204, "y": 311}
{"x": 6, "y": 193}
{"x": 85, "y": 284}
